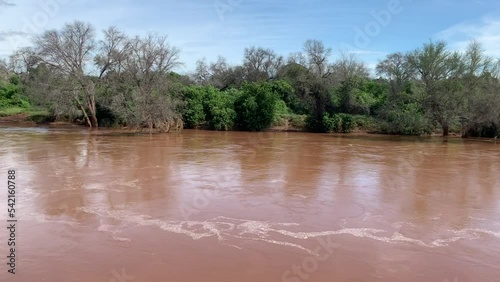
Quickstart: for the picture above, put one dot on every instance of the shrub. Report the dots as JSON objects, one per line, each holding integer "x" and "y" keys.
{"x": 219, "y": 110}
{"x": 256, "y": 106}
{"x": 193, "y": 112}
{"x": 406, "y": 120}
{"x": 346, "y": 123}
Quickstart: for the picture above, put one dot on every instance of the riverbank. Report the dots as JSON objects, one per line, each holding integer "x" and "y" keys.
{"x": 25, "y": 116}
{"x": 30, "y": 120}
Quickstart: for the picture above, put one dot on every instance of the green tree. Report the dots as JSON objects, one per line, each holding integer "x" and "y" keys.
{"x": 255, "y": 108}
{"x": 440, "y": 70}
{"x": 193, "y": 112}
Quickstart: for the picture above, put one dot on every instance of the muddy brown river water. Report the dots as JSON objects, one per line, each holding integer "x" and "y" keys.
{"x": 237, "y": 207}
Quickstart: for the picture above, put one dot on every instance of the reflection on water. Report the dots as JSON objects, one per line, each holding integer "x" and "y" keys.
{"x": 210, "y": 206}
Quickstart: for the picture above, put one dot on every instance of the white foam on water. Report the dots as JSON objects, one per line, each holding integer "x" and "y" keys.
{"x": 480, "y": 231}
{"x": 41, "y": 218}
{"x": 280, "y": 243}
{"x": 224, "y": 228}
{"x": 111, "y": 229}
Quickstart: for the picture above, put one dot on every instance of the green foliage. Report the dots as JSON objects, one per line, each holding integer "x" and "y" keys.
{"x": 406, "y": 119}
{"x": 280, "y": 112}
{"x": 193, "y": 112}
{"x": 298, "y": 121}
{"x": 366, "y": 123}
{"x": 331, "y": 123}
{"x": 208, "y": 107}
{"x": 288, "y": 94}
{"x": 359, "y": 96}
{"x": 339, "y": 123}
{"x": 11, "y": 95}
{"x": 219, "y": 109}
{"x": 346, "y": 125}
{"x": 256, "y": 106}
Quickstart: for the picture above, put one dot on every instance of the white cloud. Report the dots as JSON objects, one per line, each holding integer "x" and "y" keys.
{"x": 485, "y": 31}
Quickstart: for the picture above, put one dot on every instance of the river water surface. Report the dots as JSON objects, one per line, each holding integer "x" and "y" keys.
{"x": 237, "y": 207}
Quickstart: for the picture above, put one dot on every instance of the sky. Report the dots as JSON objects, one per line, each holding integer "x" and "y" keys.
{"x": 371, "y": 29}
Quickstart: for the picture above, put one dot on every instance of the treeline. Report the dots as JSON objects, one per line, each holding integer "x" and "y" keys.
{"x": 129, "y": 81}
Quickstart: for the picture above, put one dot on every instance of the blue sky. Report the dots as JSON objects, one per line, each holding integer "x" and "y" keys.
{"x": 208, "y": 28}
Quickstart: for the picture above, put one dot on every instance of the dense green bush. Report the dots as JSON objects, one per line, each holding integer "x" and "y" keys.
{"x": 366, "y": 123}
{"x": 11, "y": 95}
{"x": 208, "y": 107}
{"x": 256, "y": 106}
{"x": 406, "y": 120}
{"x": 346, "y": 123}
{"x": 339, "y": 123}
{"x": 359, "y": 96}
{"x": 219, "y": 110}
{"x": 193, "y": 112}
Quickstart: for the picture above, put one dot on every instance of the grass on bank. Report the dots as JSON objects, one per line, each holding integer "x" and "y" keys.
{"x": 27, "y": 114}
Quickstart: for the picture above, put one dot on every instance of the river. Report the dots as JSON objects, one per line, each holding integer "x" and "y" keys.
{"x": 228, "y": 206}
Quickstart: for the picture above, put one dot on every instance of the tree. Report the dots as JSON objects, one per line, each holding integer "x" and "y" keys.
{"x": 148, "y": 66}
{"x": 481, "y": 87}
{"x": 440, "y": 71}
{"x": 317, "y": 57}
{"x": 397, "y": 69}
{"x": 24, "y": 60}
{"x": 219, "y": 74}
{"x": 299, "y": 77}
{"x": 255, "y": 108}
{"x": 347, "y": 67}
{"x": 70, "y": 50}
{"x": 297, "y": 58}
{"x": 4, "y": 71}
{"x": 261, "y": 64}
{"x": 114, "y": 50}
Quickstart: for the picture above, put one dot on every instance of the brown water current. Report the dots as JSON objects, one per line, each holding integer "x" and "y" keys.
{"x": 210, "y": 206}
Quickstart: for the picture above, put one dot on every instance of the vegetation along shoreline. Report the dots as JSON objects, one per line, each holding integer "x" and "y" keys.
{"x": 116, "y": 80}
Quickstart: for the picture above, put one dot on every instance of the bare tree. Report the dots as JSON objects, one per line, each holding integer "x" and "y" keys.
{"x": 346, "y": 67}
{"x": 71, "y": 51}
{"x": 219, "y": 74}
{"x": 202, "y": 74}
{"x": 261, "y": 63}
{"x": 317, "y": 56}
{"x": 297, "y": 58}
{"x": 24, "y": 60}
{"x": 150, "y": 61}
{"x": 4, "y": 70}
{"x": 113, "y": 52}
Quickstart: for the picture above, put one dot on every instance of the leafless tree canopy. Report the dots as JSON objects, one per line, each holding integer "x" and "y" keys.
{"x": 317, "y": 56}
{"x": 261, "y": 63}
{"x": 70, "y": 49}
{"x": 135, "y": 68}
{"x": 24, "y": 60}
{"x": 4, "y": 70}
{"x": 348, "y": 66}
{"x": 150, "y": 60}
{"x": 113, "y": 52}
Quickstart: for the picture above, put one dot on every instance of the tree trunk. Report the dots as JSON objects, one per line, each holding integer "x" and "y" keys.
{"x": 90, "y": 89}
{"x": 92, "y": 110}
{"x": 446, "y": 130}
{"x": 84, "y": 113}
